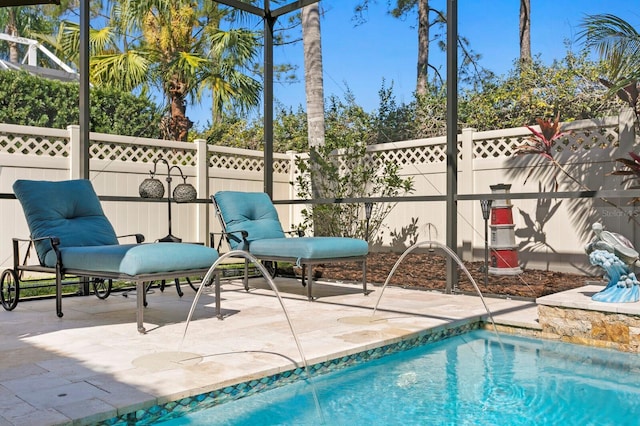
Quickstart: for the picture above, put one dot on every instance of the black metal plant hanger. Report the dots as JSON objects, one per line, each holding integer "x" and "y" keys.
{"x": 153, "y": 188}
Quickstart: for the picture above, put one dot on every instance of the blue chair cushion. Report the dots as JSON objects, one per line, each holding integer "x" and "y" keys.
{"x": 310, "y": 248}
{"x": 134, "y": 259}
{"x": 69, "y": 210}
{"x": 248, "y": 211}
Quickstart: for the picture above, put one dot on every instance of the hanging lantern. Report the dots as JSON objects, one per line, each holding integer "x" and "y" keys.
{"x": 151, "y": 188}
{"x": 184, "y": 192}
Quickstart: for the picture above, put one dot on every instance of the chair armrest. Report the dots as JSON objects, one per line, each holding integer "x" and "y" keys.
{"x": 54, "y": 241}
{"x": 212, "y": 240}
{"x": 229, "y": 236}
{"x": 139, "y": 237}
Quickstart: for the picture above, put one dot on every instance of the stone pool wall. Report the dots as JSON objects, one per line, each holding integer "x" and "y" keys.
{"x": 594, "y": 328}
{"x": 572, "y": 316}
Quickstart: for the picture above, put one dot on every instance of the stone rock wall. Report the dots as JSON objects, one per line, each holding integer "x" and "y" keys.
{"x": 593, "y": 328}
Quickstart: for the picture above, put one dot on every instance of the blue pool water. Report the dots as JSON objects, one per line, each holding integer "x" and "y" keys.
{"x": 471, "y": 379}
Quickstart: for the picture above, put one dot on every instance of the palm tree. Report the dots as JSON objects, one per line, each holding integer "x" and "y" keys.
{"x": 24, "y": 22}
{"x": 314, "y": 89}
{"x": 618, "y": 43}
{"x": 172, "y": 45}
{"x": 313, "y": 74}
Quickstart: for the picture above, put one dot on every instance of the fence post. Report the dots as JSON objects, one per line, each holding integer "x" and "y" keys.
{"x": 202, "y": 186}
{"x": 627, "y": 134}
{"x": 467, "y": 209}
{"x": 626, "y": 142}
{"x": 75, "y": 156}
{"x": 293, "y": 208}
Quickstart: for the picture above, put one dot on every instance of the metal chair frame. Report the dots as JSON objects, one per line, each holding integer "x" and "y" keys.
{"x": 306, "y": 264}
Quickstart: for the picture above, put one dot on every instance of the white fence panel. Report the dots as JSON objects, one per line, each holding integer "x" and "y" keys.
{"x": 550, "y": 233}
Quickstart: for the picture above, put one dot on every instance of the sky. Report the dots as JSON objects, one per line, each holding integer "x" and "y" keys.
{"x": 359, "y": 58}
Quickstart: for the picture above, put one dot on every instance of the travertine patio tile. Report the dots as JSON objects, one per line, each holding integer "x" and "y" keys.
{"x": 51, "y": 396}
{"x": 46, "y": 417}
{"x": 91, "y": 410}
{"x": 92, "y": 363}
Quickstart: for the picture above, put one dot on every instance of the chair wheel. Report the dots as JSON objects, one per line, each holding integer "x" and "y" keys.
{"x": 60, "y": 315}
{"x": 9, "y": 289}
{"x": 102, "y": 287}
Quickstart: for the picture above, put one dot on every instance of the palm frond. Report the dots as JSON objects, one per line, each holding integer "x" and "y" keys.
{"x": 615, "y": 40}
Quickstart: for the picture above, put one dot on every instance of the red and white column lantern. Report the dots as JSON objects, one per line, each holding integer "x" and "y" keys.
{"x": 504, "y": 256}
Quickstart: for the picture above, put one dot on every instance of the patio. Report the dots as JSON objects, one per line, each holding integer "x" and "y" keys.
{"x": 92, "y": 364}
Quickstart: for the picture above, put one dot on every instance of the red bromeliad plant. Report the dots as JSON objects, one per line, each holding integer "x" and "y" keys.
{"x": 633, "y": 165}
{"x": 541, "y": 142}
{"x": 633, "y": 171}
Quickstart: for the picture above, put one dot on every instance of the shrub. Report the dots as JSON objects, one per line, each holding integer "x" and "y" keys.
{"x": 34, "y": 101}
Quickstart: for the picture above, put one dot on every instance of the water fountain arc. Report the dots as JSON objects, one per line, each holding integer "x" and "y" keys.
{"x": 453, "y": 255}
{"x": 209, "y": 276}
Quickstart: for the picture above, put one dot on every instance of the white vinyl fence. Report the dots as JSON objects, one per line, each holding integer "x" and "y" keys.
{"x": 550, "y": 233}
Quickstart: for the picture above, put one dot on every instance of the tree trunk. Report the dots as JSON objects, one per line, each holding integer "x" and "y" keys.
{"x": 423, "y": 46}
{"x": 525, "y": 32}
{"x": 179, "y": 124}
{"x": 313, "y": 74}
{"x": 311, "y": 42}
{"x": 12, "y": 29}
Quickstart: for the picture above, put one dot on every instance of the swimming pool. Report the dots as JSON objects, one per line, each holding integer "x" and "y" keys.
{"x": 472, "y": 379}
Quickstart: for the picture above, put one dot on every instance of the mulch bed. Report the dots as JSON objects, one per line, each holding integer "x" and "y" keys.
{"x": 427, "y": 271}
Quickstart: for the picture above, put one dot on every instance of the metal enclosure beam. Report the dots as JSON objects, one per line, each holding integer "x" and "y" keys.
{"x": 452, "y": 141}
{"x": 269, "y": 23}
{"x": 84, "y": 91}
{"x": 11, "y": 3}
{"x": 270, "y": 17}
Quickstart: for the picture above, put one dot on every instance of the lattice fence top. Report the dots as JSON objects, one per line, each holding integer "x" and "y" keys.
{"x": 142, "y": 153}
{"x": 17, "y": 143}
{"x": 587, "y": 139}
{"x": 499, "y": 147}
{"x": 246, "y": 163}
{"x": 426, "y": 154}
{"x": 574, "y": 140}
{"x": 580, "y": 136}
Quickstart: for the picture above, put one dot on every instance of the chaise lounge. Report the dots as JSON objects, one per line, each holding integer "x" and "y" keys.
{"x": 250, "y": 222}
{"x": 72, "y": 236}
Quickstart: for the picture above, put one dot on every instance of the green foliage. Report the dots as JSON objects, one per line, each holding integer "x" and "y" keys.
{"x": 290, "y": 130}
{"x": 431, "y": 113}
{"x": 347, "y": 123}
{"x": 34, "y": 101}
{"x": 349, "y": 172}
{"x": 393, "y": 122}
{"x": 617, "y": 41}
{"x": 569, "y": 87}
{"x": 234, "y": 131}
{"x": 123, "y": 113}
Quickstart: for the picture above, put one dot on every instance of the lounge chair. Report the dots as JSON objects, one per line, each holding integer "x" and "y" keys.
{"x": 250, "y": 222}
{"x": 72, "y": 236}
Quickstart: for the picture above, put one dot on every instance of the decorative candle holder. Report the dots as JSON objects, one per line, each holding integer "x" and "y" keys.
{"x": 153, "y": 188}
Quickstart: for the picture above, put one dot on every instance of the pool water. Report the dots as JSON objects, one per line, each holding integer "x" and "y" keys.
{"x": 473, "y": 379}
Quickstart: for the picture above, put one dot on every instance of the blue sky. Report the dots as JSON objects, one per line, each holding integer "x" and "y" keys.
{"x": 360, "y": 58}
